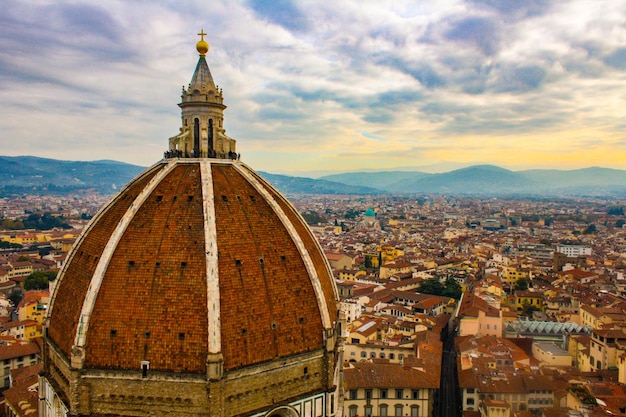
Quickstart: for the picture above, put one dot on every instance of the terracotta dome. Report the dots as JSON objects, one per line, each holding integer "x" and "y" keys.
{"x": 198, "y": 290}
{"x": 195, "y": 256}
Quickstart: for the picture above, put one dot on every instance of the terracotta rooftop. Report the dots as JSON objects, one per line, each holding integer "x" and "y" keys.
{"x": 386, "y": 375}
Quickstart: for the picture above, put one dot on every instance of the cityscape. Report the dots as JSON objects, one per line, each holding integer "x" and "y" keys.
{"x": 453, "y": 306}
{"x": 417, "y": 211}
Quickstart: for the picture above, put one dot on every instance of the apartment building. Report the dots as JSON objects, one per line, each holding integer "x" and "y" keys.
{"x": 16, "y": 356}
{"x": 375, "y": 389}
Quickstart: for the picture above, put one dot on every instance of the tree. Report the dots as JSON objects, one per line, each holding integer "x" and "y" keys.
{"x": 452, "y": 289}
{"x": 9, "y": 224}
{"x": 16, "y": 296}
{"x": 528, "y": 309}
{"x": 45, "y": 222}
{"x": 39, "y": 280}
{"x": 591, "y": 229}
{"x": 521, "y": 284}
{"x": 432, "y": 286}
{"x": 313, "y": 217}
{"x": 6, "y": 245}
{"x": 620, "y": 223}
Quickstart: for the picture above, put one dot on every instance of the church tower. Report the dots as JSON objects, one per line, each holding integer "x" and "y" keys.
{"x": 202, "y": 133}
{"x": 198, "y": 290}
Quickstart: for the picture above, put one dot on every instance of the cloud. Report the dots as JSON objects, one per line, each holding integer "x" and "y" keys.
{"x": 480, "y": 32}
{"x": 520, "y": 79}
{"x": 617, "y": 59}
{"x": 516, "y": 9}
{"x": 420, "y": 71}
{"x": 280, "y": 12}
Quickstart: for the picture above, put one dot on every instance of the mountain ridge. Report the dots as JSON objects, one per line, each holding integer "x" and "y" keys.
{"x": 35, "y": 175}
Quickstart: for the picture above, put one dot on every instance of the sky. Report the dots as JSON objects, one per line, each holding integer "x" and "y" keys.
{"x": 316, "y": 87}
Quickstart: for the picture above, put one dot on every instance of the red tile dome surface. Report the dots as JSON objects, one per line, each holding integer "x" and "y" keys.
{"x": 193, "y": 257}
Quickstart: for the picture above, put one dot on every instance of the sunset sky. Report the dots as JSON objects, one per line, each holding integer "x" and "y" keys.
{"x": 316, "y": 86}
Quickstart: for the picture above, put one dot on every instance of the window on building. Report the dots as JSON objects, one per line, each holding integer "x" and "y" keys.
{"x": 364, "y": 354}
{"x": 353, "y": 394}
{"x": 382, "y": 355}
{"x": 352, "y": 411}
{"x": 368, "y": 394}
{"x": 382, "y": 410}
{"x": 399, "y": 393}
{"x": 398, "y": 412}
{"x": 415, "y": 411}
{"x": 354, "y": 341}
{"x": 470, "y": 390}
{"x": 373, "y": 354}
{"x": 368, "y": 411}
{"x": 415, "y": 394}
{"x": 469, "y": 401}
{"x": 392, "y": 356}
{"x": 383, "y": 393}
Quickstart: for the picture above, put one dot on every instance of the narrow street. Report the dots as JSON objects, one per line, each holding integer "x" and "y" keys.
{"x": 448, "y": 405}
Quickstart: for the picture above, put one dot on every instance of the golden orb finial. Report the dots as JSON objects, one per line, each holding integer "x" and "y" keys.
{"x": 202, "y": 46}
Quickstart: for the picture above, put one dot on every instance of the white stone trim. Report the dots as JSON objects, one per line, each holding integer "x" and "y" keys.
{"x": 109, "y": 249}
{"x": 308, "y": 262}
{"x": 210, "y": 248}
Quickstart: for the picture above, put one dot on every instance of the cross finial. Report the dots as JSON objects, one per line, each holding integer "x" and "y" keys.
{"x": 202, "y": 46}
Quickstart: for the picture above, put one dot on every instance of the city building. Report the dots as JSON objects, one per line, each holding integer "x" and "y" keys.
{"x": 384, "y": 389}
{"x": 14, "y": 356}
{"x": 573, "y": 251}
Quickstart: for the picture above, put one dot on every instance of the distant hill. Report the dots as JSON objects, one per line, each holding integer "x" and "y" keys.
{"x": 475, "y": 180}
{"x": 299, "y": 185}
{"x": 380, "y": 180}
{"x": 32, "y": 175}
{"x": 493, "y": 180}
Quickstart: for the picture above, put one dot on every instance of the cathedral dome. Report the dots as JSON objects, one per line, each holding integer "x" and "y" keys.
{"x": 194, "y": 257}
{"x": 198, "y": 290}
